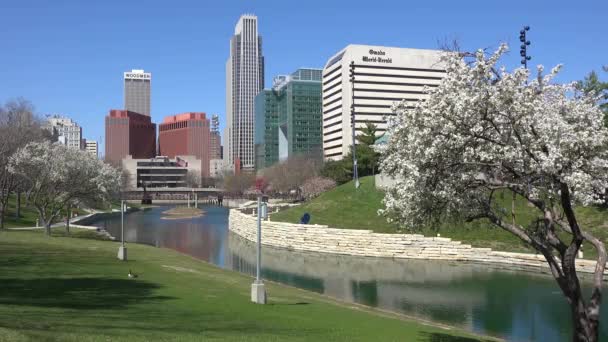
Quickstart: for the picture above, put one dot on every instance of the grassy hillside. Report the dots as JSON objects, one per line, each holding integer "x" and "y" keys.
{"x": 345, "y": 207}
{"x": 59, "y": 289}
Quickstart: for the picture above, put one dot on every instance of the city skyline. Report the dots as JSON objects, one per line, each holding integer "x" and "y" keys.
{"x": 81, "y": 77}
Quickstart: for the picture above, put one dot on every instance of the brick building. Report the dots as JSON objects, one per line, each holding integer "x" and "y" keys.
{"x": 186, "y": 134}
{"x": 129, "y": 134}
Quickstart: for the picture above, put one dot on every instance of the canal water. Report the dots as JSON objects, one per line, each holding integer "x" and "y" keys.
{"x": 517, "y": 306}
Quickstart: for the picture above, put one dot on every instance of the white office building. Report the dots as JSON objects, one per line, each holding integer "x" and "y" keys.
{"x": 162, "y": 172}
{"x": 68, "y": 132}
{"x": 91, "y": 147}
{"x": 244, "y": 80}
{"x": 137, "y": 91}
{"x": 382, "y": 77}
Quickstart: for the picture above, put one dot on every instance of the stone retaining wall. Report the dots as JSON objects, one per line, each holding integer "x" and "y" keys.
{"x": 322, "y": 239}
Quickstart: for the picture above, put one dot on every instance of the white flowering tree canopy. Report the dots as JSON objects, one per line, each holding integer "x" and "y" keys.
{"x": 58, "y": 176}
{"x": 484, "y": 129}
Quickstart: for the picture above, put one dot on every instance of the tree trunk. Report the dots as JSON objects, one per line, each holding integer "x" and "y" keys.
{"x": 67, "y": 222}
{"x": 47, "y": 228}
{"x": 18, "y": 206}
{"x": 584, "y": 329}
{"x": 2, "y": 210}
{"x": 44, "y": 223}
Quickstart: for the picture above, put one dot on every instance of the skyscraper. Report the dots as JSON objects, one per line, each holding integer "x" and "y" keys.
{"x": 288, "y": 118}
{"x": 137, "y": 91}
{"x": 186, "y": 134}
{"x": 215, "y": 141}
{"x": 129, "y": 134}
{"x": 244, "y": 80}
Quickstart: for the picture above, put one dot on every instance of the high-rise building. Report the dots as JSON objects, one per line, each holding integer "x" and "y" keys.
{"x": 129, "y": 134}
{"x": 288, "y": 118}
{"x": 266, "y": 129}
{"x": 186, "y": 134}
{"x": 91, "y": 147}
{"x": 215, "y": 140}
{"x": 382, "y": 77}
{"x": 68, "y": 132}
{"x": 244, "y": 80}
{"x": 137, "y": 91}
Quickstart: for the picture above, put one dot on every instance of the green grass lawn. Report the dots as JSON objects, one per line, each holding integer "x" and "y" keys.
{"x": 66, "y": 289}
{"x": 28, "y": 214}
{"x": 345, "y": 207}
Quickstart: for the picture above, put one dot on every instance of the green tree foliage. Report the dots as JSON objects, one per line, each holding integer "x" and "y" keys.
{"x": 367, "y": 158}
{"x": 338, "y": 170}
{"x": 592, "y": 85}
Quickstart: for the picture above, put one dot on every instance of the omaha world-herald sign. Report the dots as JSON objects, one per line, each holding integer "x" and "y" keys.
{"x": 377, "y": 56}
{"x": 137, "y": 75}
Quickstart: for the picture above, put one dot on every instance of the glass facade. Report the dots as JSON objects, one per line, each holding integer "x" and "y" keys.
{"x": 288, "y": 118}
{"x": 266, "y": 134}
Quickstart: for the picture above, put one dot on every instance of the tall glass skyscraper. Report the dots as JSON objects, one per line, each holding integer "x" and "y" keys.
{"x": 288, "y": 118}
{"x": 137, "y": 91}
{"x": 244, "y": 80}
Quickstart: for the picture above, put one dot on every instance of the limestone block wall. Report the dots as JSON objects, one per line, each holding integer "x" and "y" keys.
{"x": 323, "y": 239}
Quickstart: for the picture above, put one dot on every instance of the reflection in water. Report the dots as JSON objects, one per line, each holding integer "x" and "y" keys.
{"x": 515, "y": 305}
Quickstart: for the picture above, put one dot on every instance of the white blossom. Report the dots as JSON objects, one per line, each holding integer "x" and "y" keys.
{"x": 484, "y": 126}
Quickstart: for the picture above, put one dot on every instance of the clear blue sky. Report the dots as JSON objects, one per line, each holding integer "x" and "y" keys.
{"x": 68, "y": 57}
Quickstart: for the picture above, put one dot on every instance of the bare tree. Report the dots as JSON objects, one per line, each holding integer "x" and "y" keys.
{"x": 193, "y": 179}
{"x": 293, "y": 173}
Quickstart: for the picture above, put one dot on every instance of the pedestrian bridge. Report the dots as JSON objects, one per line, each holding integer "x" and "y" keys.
{"x": 173, "y": 194}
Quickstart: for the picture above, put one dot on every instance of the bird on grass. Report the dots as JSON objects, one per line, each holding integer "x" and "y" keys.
{"x": 132, "y": 275}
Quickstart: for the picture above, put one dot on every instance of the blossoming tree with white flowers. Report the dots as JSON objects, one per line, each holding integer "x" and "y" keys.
{"x": 485, "y": 131}
{"x": 58, "y": 176}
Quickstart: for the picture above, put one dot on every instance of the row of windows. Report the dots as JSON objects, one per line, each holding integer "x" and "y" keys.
{"x": 182, "y": 124}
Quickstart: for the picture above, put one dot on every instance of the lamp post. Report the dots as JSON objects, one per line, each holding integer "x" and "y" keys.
{"x": 122, "y": 250}
{"x": 258, "y": 292}
{"x": 523, "y": 51}
{"x": 352, "y": 121}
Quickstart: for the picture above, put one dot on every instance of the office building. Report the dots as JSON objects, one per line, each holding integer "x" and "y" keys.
{"x": 266, "y": 129}
{"x": 137, "y": 91}
{"x": 383, "y": 76}
{"x": 68, "y": 132}
{"x": 288, "y": 118}
{"x": 215, "y": 140}
{"x": 129, "y": 134}
{"x": 244, "y": 80}
{"x": 218, "y": 167}
{"x": 186, "y": 134}
{"x": 162, "y": 172}
{"x": 91, "y": 147}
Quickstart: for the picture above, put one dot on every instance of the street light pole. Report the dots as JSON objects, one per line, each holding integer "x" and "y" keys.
{"x": 122, "y": 250}
{"x": 258, "y": 261}
{"x": 258, "y": 292}
{"x": 523, "y": 51}
{"x": 352, "y": 120}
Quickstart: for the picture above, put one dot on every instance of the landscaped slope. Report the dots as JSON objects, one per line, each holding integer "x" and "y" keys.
{"x": 63, "y": 289}
{"x": 350, "y": 208}
{"x": 343, "y": 207}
